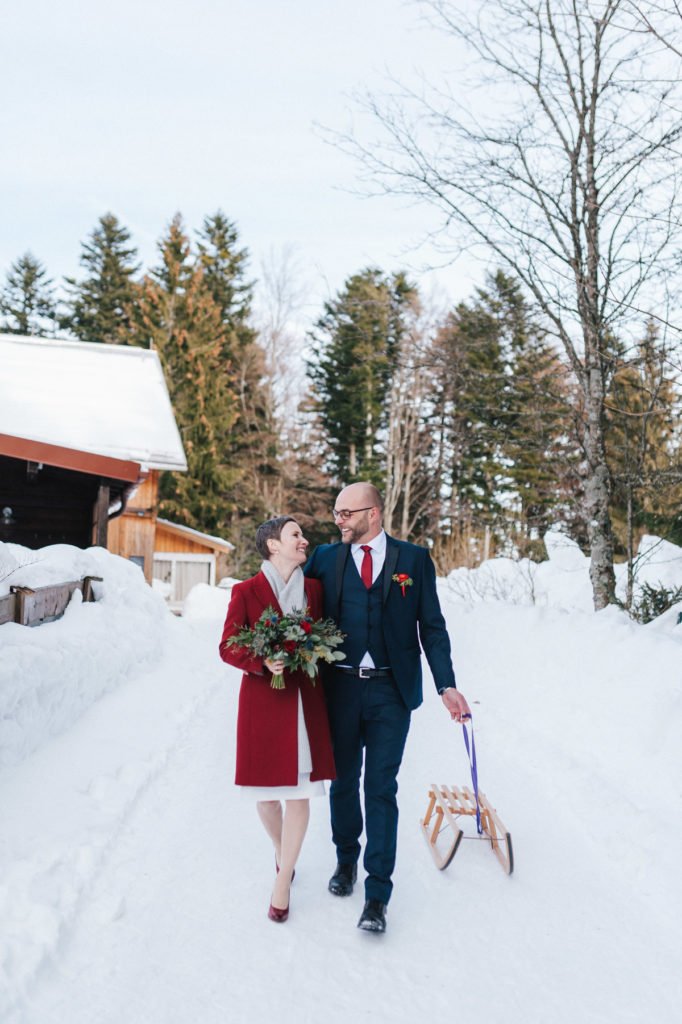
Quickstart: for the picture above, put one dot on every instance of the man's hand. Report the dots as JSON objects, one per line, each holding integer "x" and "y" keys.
{"x": 456, "y": 704}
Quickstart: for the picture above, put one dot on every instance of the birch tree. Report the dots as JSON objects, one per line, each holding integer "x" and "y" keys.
{"x": 563, "y": 167}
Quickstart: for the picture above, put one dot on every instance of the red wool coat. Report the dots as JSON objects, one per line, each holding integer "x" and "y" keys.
{"x": 267, "y": 745}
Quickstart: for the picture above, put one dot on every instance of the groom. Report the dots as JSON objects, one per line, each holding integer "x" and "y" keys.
{"x": 382, "y": 594}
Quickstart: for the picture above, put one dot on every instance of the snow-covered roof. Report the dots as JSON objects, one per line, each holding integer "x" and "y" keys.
{"x": 108, "y": 399}
{"x": 188, "y": 531}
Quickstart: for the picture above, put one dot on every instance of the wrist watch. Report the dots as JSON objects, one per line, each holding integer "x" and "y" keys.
{"x": 442, "y": 689}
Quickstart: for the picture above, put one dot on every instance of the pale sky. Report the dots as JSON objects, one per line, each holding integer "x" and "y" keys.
{"x": 147, "y": 107}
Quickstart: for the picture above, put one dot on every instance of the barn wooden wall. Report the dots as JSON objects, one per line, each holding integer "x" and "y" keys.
{"x": 131, "y": 535}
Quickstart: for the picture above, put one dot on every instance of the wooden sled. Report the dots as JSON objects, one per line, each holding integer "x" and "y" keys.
{"x": 446, "y": 805}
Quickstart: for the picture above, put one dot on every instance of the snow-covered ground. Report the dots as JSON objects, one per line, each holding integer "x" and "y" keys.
{"x": 134, "y": 881}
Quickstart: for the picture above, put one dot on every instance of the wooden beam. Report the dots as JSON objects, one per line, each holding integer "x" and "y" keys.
{"x": 100, "y": 517}
{"x": 69, "y": 458}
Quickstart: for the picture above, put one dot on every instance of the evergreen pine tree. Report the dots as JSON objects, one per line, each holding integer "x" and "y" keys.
{"x": 538, "y": 443}
{"x": 356, "y": 342}
{"x": 471, "y": 406}
{"x": 177, "y": 313}
{"x": 253, "y": 445}
{"x": 224, "y": 265}
{"x": 27, "y": 299}
{"x": 643, "y": 448}
{"x": 100, "y": 307}
{"x": 503, "y": 422}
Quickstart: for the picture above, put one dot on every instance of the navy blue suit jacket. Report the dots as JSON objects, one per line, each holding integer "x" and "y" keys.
{"x": 410, "y": 623}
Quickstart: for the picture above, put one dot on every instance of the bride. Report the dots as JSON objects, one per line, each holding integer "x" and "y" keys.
{"x": 283, "y": 742}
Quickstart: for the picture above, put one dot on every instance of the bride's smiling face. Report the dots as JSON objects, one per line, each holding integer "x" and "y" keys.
{"x": 292, "y": 546}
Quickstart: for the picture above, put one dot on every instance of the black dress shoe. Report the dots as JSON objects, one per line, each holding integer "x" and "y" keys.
{"x": 373, "y": 917}
{"x": 341, "y": 882}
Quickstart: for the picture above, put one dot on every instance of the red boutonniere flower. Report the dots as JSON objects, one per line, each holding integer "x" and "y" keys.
{"x": 403, "y": 580}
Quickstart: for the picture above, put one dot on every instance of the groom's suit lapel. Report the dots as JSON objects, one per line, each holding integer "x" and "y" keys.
{"x": 342, "y": 554}
{"x": 390, "y": 561}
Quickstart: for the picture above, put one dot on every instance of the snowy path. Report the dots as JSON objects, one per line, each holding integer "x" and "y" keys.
{"x": 160, "y": 912}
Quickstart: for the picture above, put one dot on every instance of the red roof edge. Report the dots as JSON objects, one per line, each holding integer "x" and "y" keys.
{"x": 69, "y": 458}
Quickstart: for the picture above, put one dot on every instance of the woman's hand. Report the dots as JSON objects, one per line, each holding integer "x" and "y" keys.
{"x": 276, "y": 667}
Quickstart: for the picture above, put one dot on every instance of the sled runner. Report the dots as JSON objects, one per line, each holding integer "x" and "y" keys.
{"x": 447, "y": 804}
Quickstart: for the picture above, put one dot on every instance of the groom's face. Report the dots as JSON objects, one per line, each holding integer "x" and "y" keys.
{"x": 357, "y": 529}
{"x": 364, "y": 522}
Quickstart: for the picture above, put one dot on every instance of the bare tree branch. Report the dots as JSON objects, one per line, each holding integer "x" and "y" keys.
{"x": 564, "y": 166}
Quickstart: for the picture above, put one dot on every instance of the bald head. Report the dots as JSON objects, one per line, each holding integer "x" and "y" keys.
{"x": 357, "y": 495}
{"x": 366, "y": 505}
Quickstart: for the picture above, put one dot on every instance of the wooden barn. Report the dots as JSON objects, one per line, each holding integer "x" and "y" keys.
{"x": 183, "y": 557}
{"x": 85, "y": 431}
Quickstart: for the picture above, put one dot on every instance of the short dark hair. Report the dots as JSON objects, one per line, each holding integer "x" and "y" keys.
{"x": 271, "y": 529}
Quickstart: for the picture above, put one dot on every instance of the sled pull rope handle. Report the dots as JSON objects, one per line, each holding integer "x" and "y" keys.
{"x": 471, "y": 753}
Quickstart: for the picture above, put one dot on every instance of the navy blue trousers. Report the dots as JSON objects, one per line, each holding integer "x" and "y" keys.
{"x": 366, "y": 716}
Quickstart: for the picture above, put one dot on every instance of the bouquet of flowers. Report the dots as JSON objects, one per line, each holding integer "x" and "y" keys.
{"x": 296, "y": 639}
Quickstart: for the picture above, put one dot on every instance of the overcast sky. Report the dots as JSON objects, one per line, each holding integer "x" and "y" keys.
{"x": 144, "y": 108}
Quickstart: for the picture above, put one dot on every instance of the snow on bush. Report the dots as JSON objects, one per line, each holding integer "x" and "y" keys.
{"x": 560, "y": 582}
{"x": 563, "y": 581}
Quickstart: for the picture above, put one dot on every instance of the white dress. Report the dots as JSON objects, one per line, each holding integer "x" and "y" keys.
{"x": 305, "y": 788}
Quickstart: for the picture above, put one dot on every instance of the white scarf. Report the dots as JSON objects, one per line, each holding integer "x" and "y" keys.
{"x": 291, "y": 595}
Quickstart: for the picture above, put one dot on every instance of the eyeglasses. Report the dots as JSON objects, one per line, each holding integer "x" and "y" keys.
{"x": 346, "y": 513}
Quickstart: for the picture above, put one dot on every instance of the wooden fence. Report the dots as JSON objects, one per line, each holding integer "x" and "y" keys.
{"x": 45, "y": 604}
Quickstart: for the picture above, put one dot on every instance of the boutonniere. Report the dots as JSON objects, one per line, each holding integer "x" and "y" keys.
{"x": 403, "y": 580}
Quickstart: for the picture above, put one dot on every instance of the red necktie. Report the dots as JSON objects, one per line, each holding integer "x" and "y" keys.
{"x": 366, "y": 568}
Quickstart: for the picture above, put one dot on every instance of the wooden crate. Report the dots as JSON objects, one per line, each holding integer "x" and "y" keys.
{"x": 7, "y": 608}
{"x": 45, "y": 604}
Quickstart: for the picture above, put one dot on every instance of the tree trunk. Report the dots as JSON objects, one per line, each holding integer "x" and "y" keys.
{"x": 630, "y": 545}
{"x": 597, "y": 493}
{"x": 352, "y": 460}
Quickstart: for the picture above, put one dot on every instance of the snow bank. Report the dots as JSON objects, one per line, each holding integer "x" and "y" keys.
{"x": 659, "y": 563}
{"x": 563, "y": 581}
{"x": 66, "y": 806}
{"x": 206, "y": 602}
{"x": 125, "y": 843}
{"x": 50, "y": 674}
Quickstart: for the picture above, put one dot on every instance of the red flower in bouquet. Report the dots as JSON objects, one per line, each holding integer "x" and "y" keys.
{"x": 296, "y": 639}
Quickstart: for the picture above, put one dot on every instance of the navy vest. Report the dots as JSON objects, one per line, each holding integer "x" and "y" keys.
{"x": 360, "y": 616}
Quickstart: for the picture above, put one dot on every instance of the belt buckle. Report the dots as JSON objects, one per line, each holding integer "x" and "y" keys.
{"x": 362, "y": 670}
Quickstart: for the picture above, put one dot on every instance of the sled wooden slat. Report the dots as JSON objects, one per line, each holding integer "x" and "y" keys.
{"x": 443, "y": 835}
{"x": 432, "y": 825}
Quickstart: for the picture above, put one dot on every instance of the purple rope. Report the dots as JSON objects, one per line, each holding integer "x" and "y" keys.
{"x": 471, "y": 752}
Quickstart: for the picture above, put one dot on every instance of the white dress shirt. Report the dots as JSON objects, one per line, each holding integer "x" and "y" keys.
{"x": 378, "y": 546}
